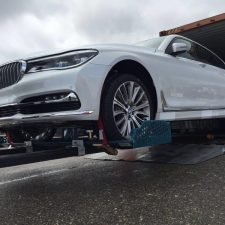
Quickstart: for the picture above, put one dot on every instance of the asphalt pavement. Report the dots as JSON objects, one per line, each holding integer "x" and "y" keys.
{"x": 76, "y": 190}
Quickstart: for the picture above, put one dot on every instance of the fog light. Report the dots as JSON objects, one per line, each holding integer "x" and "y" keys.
{"x": 61, "y": 97}
{"x": 71, "y": 97}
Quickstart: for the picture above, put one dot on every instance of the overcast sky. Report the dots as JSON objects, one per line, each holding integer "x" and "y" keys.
{"x": 28, "y": 26}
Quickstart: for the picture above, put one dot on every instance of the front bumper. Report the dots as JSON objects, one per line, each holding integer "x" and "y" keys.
{"x": 46, "y": 118}
{"x": 86, "y": 81}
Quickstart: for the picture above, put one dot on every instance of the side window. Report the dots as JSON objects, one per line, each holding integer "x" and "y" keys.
{"x": 208, "y": 57}
{"x": 198, "y": 53}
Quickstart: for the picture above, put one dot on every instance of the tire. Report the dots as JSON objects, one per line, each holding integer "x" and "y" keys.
{"x": 21, "y": 135}
{"x": 113, "y": 113}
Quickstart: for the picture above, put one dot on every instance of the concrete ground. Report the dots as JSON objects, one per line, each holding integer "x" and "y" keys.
{"x": 77, "y": 190}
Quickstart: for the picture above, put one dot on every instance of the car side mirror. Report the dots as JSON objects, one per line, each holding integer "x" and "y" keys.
{"x": 179, "y": 48}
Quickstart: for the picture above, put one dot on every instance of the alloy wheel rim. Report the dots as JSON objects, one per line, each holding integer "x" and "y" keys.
{"x": 131, "y": 107}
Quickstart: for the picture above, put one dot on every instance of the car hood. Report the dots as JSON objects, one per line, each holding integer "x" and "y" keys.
{"x": 99, "y": 47}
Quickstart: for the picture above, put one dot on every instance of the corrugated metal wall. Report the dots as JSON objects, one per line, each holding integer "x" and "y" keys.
{"x": 209, "y": 32}
{"x": 212, "y": 36}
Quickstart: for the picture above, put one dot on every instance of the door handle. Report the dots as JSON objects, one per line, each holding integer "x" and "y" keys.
{"x": 203, "y": 65}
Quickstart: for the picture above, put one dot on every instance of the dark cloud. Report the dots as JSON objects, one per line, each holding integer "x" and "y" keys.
{"x": 128, "y": 20}
{"x": 35, "y": 25}
{"x": 103, "y": 21}
{"x": 10, "y": 9}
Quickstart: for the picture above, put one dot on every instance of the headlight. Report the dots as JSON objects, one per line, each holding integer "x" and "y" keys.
{"x": 62, "y": 61}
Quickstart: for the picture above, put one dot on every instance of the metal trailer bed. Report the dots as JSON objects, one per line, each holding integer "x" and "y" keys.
{"x": 152, "y": 142}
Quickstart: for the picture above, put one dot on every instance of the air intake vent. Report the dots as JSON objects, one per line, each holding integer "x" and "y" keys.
{"x": 11, "y": 73}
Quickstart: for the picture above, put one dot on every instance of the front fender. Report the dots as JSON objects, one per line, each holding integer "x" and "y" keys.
{"x": 149, "y": 61}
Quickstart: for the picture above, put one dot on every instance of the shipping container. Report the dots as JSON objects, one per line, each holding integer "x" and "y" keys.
{"x": 209, "y": 32}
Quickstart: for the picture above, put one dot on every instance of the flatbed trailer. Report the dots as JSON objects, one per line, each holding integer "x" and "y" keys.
{"x": 209, "y": 32}
{"x": 145, "y": 146}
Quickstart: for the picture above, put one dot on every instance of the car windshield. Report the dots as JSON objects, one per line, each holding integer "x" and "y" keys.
{"x": 151, "y": 43}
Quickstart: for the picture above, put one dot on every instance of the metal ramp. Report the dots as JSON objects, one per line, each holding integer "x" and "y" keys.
{"x": 188, "y": 154}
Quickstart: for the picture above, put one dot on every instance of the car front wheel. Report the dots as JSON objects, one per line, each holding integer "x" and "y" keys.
{"x": 127, "y": 103}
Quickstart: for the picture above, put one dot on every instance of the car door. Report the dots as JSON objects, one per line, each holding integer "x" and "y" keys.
{"x": 195, "y": 79}
{"x": 214, "y": 85}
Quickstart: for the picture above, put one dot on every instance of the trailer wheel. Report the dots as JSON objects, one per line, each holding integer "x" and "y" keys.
{"x": 126, "y": 104}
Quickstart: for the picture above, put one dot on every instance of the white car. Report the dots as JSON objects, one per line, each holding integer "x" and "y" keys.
{"x": 167, "y": 78}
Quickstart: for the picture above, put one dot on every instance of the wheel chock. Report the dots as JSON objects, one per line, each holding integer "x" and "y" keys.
{"x": 107, "y": 149}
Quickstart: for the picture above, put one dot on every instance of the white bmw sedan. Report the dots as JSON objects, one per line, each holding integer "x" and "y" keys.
{"x": 167, "y": 78}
